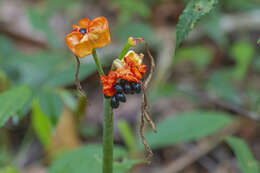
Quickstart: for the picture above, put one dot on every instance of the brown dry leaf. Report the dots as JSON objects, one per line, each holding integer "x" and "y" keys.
{"x": 65, "y": 136}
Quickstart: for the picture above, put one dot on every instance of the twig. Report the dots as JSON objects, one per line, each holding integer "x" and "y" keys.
{"x": 203, "y": 147}
{"x": 77, "y": 82}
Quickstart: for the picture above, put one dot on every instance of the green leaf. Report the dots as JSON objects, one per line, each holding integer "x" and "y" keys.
{"x": 4, "y": 82}
{"x": 125, "y": 165}
{"x": 166, "y": 90}
{"x": 243, "y": 53}
{"x": 258, "y": 41}
{"x": 240, "y": 5}
{"x": 51, "y": 103}
{"x": 65, "y": 73}
{"x": 50, "y": 69}
{"x": 35, "y": 69}
{"x": 135, "y": 29}
{"x": 187, "y": 127}
{"x": 88, "y": 159}
{"x": 129, "y": 8}
{"x": 41, "y": 124}
{"x": 40, "y": 21}
{"x": 246, "y": 160}
{"x": 7, "y": 49}
{"x": 9, "y": 169}
{"x": 200, "y": 55}
{"x": 191, "y": 14}
{"x": 69, "y": 99}
{"x": 211, "y": 26}
{"x": 12, "y": 101}
{"x": 126, "y": 133}
{"x": 219, "y": 85}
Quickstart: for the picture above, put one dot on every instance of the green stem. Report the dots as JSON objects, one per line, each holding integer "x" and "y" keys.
{"x": 98, "y": 64}
{"x": 108, "y": 130}
{"x": 108, "y": 138}
{"x": 124, "y": 51}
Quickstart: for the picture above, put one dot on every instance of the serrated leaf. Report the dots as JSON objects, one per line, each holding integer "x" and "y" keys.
{"x": 41, "y": 124}
{"x": 88, "y": 159}
{"x": 245, "y": 158}
{"x": 12, "y": 101}
{"x": 191, "y": 14}
{"x": 187, "y": 127}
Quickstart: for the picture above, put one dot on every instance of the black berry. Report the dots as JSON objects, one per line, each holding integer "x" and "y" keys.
{"x": 127, "y": 88}
{"x": 121, "y": 97}
{"x": 118, "y": 88}
{"x": 132, "y": 91}
{"x": 136, "y": 87}
{"x": 123, "y": 82}
{"x": 83, "y": 31}
{"x": 114, "y": 102}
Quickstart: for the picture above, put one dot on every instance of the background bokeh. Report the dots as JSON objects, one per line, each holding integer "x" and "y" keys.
{"x": 204, "y": 96}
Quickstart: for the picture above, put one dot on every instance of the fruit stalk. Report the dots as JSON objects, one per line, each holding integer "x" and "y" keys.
{"x": 108, "y": 136}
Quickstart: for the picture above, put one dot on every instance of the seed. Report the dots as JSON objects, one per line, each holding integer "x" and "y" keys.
{"x": 83, "y": 31}
{"x": 121, "y": 97}
{"x": 118, "y": 88}
{"x": 123, "y": 82}
{"x": 114, "y": 102}
{"x": 132, "y": 91}
{"x": 127, "y": 88}
{"x": 136, "y": 87}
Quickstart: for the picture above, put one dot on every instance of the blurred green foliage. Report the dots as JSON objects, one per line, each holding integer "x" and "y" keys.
{"x": 128, "y": 8}
{"x": 220, "y": 85}
{"x": 246, "y": 160}
{"x": 47, "y": 74}
{"x": 187, "y": 127}
{"x": 126, "y": 133}
{"x": 199, "y": 55}
{"x": 243, "y": 53}
{"x": 12, "y": 101}
{"x": 9, "y": 169}
{"x": 41, "y": 124}
{"x": 90, "y": 158}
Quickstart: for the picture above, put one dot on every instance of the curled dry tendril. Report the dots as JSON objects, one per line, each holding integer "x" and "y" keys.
{"x": 145, "y": 108}
{"x": 77, "y": 82}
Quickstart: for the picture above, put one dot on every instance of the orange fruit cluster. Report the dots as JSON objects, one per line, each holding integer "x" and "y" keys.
{"x": 130, "y": 69}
